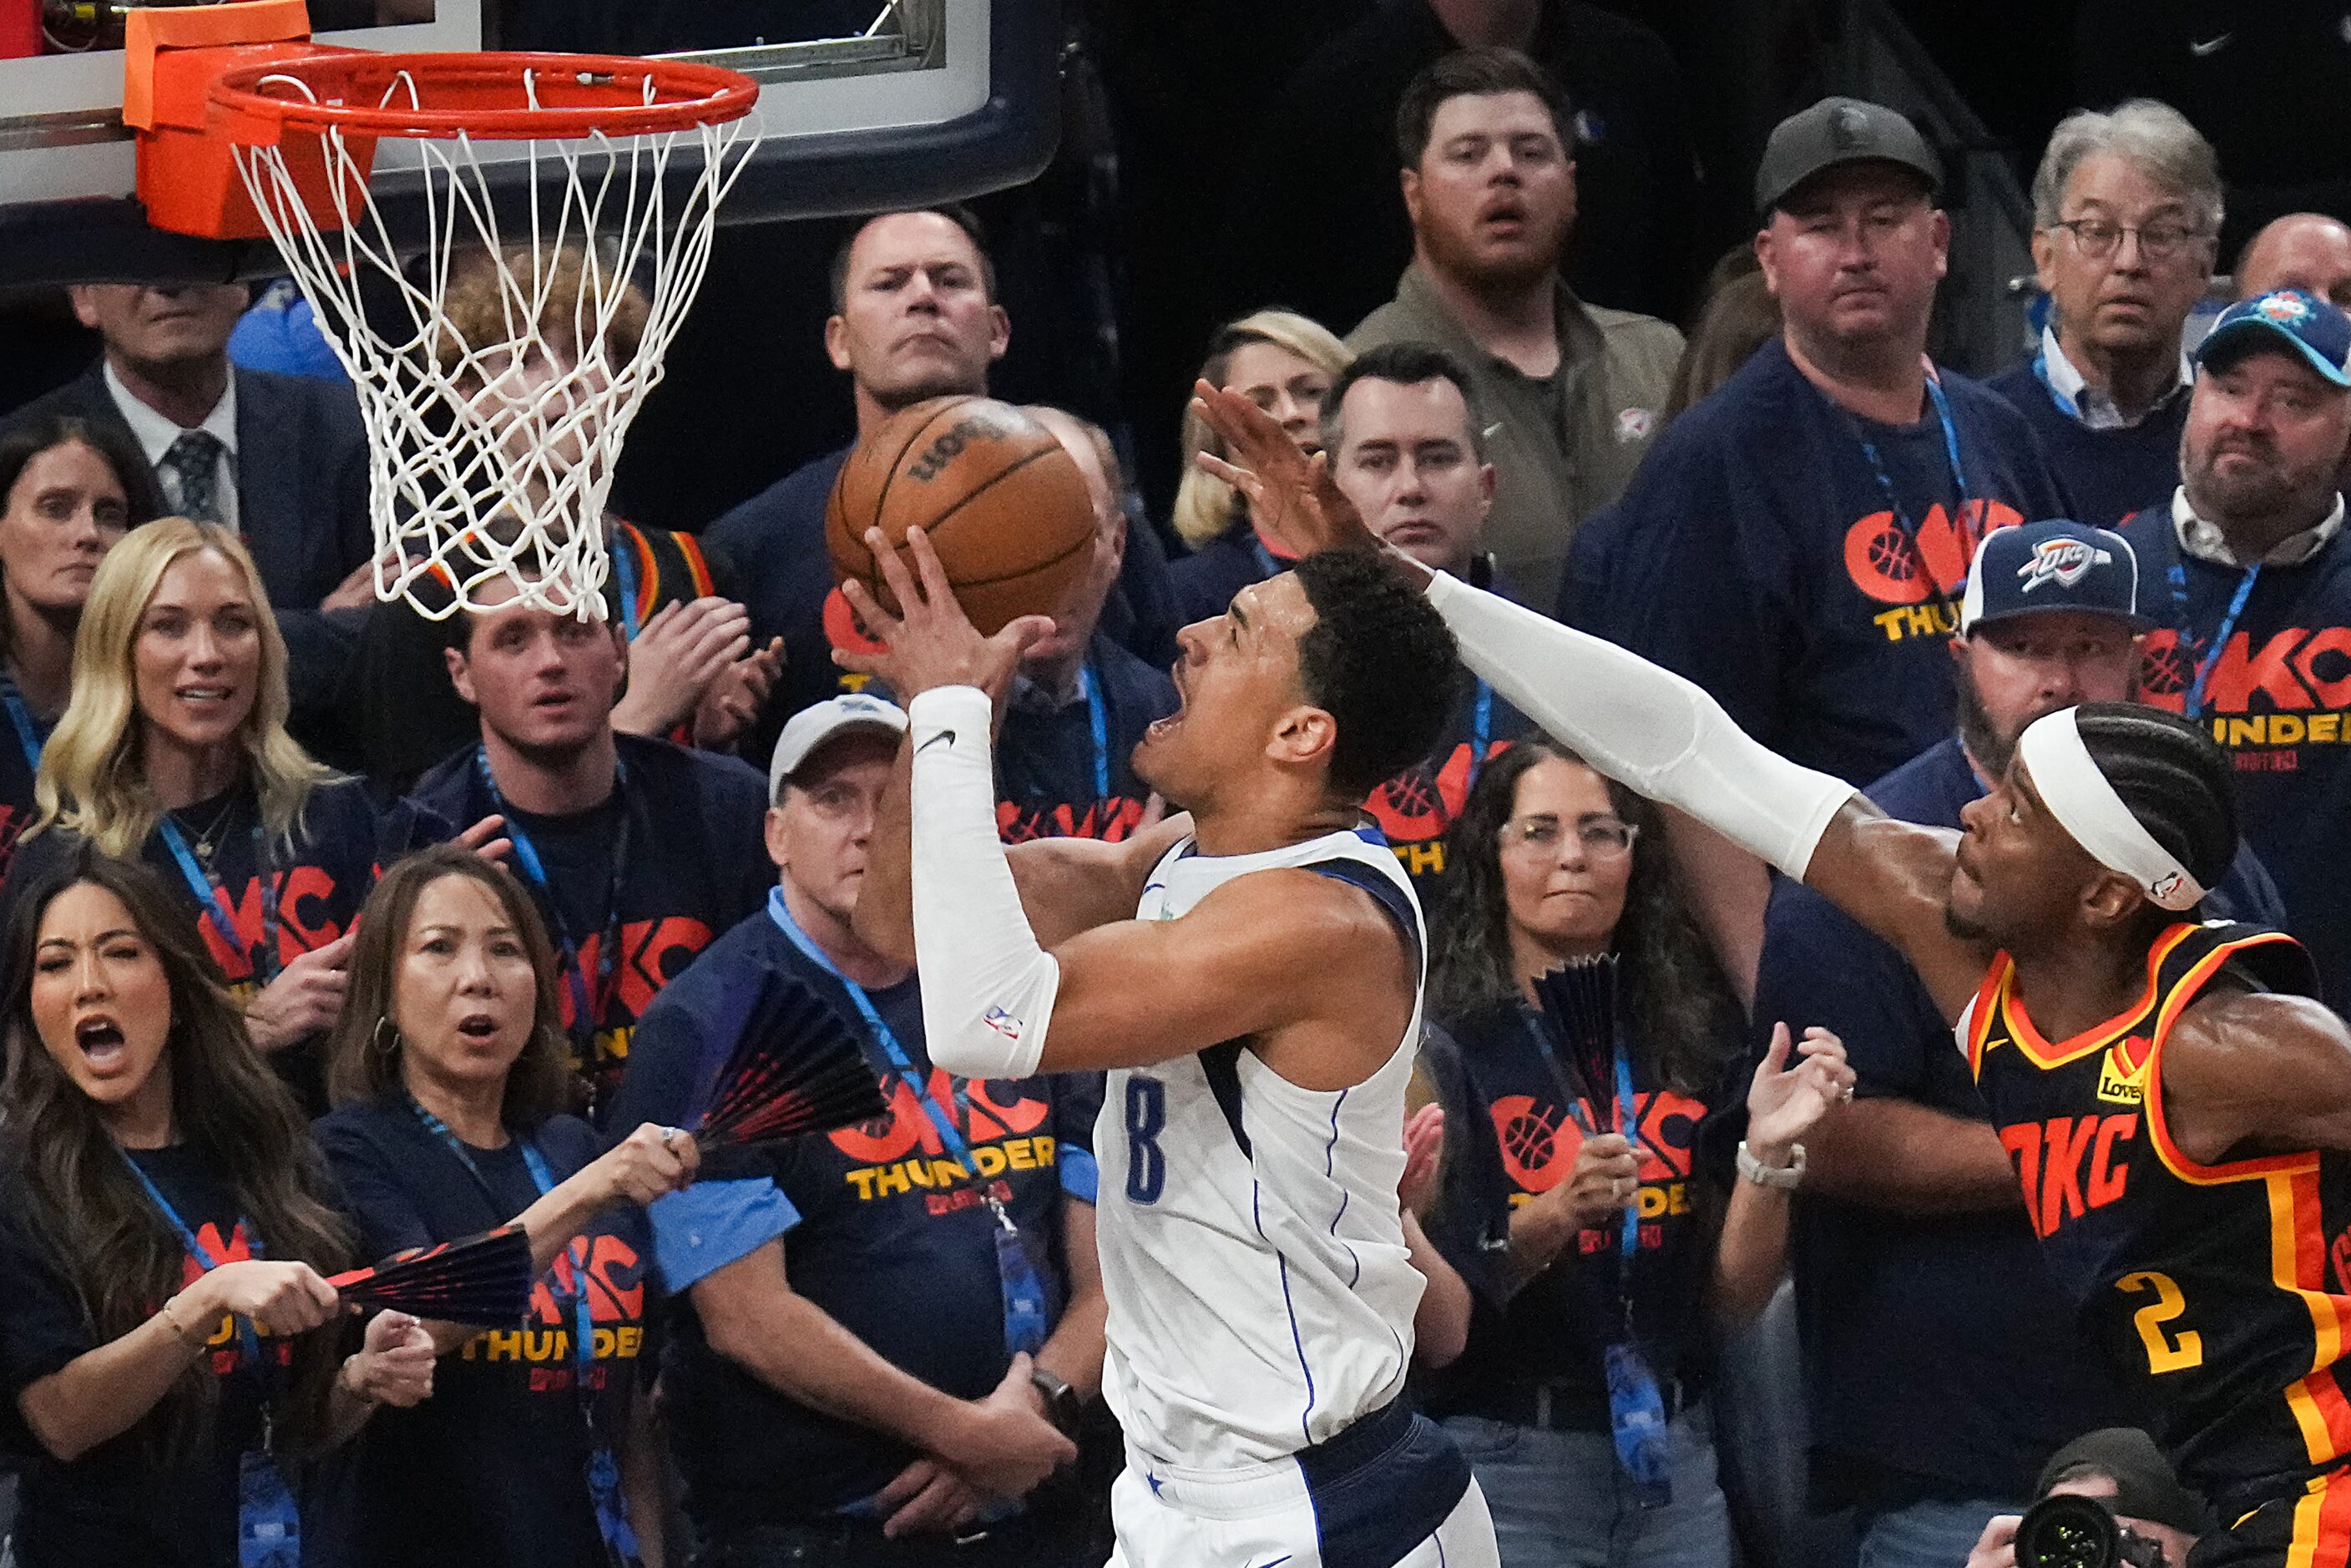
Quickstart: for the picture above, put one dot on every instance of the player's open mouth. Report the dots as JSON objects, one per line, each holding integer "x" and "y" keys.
{"x": 101, "y": 1043}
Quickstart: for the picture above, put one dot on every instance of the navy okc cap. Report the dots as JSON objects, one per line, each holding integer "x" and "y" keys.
{"x": 2035, "y": 568}
{"x": 2286, "y": 317}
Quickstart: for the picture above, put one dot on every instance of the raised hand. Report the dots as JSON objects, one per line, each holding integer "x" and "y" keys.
{"x": 305, "y": 999}
{"x": 1783, "y": 1103}
{"x": 1424, "y": 1152}
{"x": 650, "y": 1163}
{"x": 678, "y": 653}
{"x": 1604, "y": 1181}
{"x": 277, "y": 1298}
{"x": 488, "y": 839}
{"x": 930, "y": 642}
{"x": 394, "y": 1364}
{"x": 1292, "y": 500}
{"x": 732, "y": 704}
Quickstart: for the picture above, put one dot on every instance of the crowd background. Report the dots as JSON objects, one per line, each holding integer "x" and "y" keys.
{"x": 1499, "y": 260}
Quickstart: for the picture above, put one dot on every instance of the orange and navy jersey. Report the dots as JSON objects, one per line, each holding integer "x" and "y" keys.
{"x": 2220, "y": 1288}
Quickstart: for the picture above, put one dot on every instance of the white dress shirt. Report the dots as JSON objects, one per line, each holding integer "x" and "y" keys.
{"x": 156, "y": 434}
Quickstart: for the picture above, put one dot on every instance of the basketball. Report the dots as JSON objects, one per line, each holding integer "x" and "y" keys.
{"x": 1004, "y": 505}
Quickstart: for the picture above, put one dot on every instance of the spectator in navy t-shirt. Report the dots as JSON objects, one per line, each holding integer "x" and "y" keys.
{"x": 1409, "y": 451}
{"x": 2254, "y": 634}
{"x": 843, "y": 1364}
{"x": 1081, "y": 702}
{"x": 1941, "y": 1363}
{"x": 1795, "y": 543}
{"x": 914, "y": 317}
{"x": 637, "y": 852}
{"x": 2127, "y": 209}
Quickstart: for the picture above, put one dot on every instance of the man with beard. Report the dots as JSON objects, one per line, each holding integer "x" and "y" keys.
{"x": 1941, "y": 1367}
{"x": 2255, "y": 635}
{"x": 1489, "y": 184}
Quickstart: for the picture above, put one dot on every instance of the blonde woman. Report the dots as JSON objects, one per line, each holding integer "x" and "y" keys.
{"x": 1285, "y": 364}
{"x": 173, "y": 749}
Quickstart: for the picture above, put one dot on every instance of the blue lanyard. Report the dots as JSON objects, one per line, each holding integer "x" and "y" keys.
{"x": 1265, "y": 561}
{"x": 28, "y": 735}
{"x": 2065, "y": 405}
{"x": 1886, "y": 480}
{"x": 624, "y": 568}
{"x": 780, "y": 913}
{"x": 2194, "y": 708}
{"x": 248, "y": 1342}
{"x": 589, "y": 998}
{"x": 612, "y": 1509}
{"x": 1482, "y": 731}
{"x": 214, "y": 900}
{"x": 1098, "y": 719}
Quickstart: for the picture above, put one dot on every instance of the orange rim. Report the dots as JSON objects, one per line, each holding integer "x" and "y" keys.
{"x": 483, "y": 95}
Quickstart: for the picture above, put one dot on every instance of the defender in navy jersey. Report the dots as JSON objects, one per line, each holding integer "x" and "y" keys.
{"x": 2067, "y": 894}
{"x": 1250, "y": 975}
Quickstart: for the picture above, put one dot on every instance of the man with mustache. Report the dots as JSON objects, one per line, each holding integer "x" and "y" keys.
{"x": 1573, "y": 390}
{"x": 2253, "y": 596}
{"x": 1941, "y": 1367}
{"x": 2126, "y": 213}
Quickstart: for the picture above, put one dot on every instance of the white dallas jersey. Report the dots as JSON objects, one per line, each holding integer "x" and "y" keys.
{"x": 1261, "y": 1293}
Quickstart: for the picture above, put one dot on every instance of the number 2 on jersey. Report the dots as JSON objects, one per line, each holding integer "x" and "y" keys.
{"x": 1146, "y": 1118}
{"x": 2166, "y": 1351}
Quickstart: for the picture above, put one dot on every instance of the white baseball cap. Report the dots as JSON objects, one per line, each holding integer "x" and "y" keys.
{"x": 812, "y": 727}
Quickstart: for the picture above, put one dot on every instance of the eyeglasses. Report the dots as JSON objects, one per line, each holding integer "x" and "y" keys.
{"x": 2098, "y": 237}
{"x": 1603, "y": 838}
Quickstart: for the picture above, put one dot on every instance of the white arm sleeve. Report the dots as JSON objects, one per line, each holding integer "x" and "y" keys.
{"x": 1646, "y": 727}
{"x": 988, "y": 986}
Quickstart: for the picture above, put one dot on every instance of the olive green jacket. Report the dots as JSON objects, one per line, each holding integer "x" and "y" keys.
{"x": 1552, "y": 468}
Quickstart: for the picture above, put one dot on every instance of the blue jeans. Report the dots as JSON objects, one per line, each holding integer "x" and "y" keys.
{"x": 1556, "y": 1501}
{"x": 1930, "y": 1535}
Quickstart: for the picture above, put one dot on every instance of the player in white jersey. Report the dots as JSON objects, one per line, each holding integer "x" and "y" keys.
{"x": 1250, "y": 976}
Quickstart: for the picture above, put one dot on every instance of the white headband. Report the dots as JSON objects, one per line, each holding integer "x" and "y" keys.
{"x": 2085, "y": 806}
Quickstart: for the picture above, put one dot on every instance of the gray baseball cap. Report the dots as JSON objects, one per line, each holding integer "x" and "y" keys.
{"x": 1839, "y": 131}
{"x": 813, "y": 725}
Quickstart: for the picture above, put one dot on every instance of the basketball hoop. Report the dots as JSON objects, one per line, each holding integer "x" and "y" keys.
{"x": 491, "y": 461}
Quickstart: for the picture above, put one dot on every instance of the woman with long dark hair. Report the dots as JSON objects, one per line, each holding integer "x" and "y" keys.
{"x": 1590, "y": 1225}
{"x": 174, "y": 750}
{"x": 69, "y": 488}
{"x": 450, "y": 1079}
{"x": 164, "y": 1238}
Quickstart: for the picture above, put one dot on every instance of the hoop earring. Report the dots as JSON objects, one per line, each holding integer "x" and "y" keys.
{"x": 376, "y": 1041}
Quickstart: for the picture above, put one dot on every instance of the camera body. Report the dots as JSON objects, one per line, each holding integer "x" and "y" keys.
{"x": 2068, "y": 1531}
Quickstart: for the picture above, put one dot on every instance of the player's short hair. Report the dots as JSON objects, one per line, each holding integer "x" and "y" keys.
{"x": 1380, "y": 661}
{"x": 956, "y": 213}
{"x": 1474, "y": 73}
{"x": 2172, "y": 777}
{"x": 1408, "y": 365}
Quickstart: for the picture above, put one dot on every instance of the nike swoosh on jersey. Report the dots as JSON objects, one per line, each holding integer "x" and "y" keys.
{"x": 2209, "y": 45}
{"x": 947, "y": 735}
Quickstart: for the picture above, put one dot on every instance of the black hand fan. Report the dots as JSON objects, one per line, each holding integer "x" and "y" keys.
{"x": 484, "y": 1280}
{"x": 796, "y": 1069}
{"x": 1579, "y": 1001}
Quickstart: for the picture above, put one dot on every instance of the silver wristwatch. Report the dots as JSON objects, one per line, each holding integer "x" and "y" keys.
{"x": 1785, "y": 1177}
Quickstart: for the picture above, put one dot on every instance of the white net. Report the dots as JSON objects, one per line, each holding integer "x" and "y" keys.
{"x": 495, "y": 415}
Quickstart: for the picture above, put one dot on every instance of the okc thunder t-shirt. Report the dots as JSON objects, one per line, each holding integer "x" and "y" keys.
{"x": 1519, "y": 1125}
{"x": 695, "y": 865}
{"x": 493, "y": 1468}
{"x": 879, "y": 1228}
{"x": 2279, "y": 701}
{"x": 1756, "y": 553}
{"x": 129, "y": 1503}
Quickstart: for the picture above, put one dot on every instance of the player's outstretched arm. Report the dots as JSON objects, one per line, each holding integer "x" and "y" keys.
{"x": 2256, "y": 1072}
{"x": 1067, "y": 886}
{"x": 1645, "y": 726}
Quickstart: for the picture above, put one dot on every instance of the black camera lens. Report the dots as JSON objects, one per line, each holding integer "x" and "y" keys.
{"x": 2067, "y": 1532}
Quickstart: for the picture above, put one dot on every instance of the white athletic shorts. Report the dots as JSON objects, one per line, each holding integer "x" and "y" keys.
{"x": 1390, "y": 1492}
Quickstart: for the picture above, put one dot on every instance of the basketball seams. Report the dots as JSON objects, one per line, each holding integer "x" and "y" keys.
{"x": 1049, "y": 449}
{"x": 890, "y": 475}
{"x": 1030, "y": 570}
